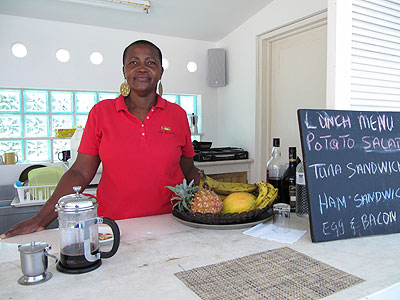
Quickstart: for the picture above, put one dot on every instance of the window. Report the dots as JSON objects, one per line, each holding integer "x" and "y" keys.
{"x": 375, "y": 55}
{"x": 187, "y": 102}
{"x": 29, "y": 118}
{"x": 366, "y": 58}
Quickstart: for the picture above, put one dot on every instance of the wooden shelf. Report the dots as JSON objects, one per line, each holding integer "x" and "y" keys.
{"x": 231, "y": 177}
{"x": 227, "y": 170}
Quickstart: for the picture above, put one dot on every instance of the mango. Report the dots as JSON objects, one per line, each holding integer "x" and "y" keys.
{"x": 239, "y": 202}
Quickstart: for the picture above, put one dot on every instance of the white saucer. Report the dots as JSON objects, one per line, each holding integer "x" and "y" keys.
{"x": 104, "y": 229}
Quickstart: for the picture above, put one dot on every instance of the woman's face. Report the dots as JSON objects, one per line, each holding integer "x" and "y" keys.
{"x": 142, "y": 69}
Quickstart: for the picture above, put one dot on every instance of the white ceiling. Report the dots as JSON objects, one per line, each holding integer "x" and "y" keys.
{"x": 209, "y": 20}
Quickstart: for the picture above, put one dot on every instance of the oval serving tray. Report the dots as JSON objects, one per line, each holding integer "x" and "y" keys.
{"x": 182, "y": 218}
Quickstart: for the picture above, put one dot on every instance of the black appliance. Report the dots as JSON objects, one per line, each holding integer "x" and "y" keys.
{"x": 224, "y": 153}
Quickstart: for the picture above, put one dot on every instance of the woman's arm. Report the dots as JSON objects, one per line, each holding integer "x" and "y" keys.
{"x": 80, "y": 174}
{"x": 189, "y": 170}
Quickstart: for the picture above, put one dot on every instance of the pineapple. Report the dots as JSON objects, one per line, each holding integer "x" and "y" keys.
{"x": 206, "y": 201}
{"x": 195, "y": 199}
{"x": 184, "y": 194}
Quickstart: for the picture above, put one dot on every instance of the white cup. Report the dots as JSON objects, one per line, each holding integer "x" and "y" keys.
{"x": 281, "y": 218}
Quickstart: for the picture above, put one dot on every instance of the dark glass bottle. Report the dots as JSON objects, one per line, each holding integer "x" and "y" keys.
{"x": 289, "y": 180}
{"x": 274, "y": 167}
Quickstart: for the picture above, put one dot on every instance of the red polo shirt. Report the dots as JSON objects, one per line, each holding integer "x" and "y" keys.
{"x": 139, "y": 158}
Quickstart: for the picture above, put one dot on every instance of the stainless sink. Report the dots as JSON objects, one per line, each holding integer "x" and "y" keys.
{"x": 7, "y": 192}
{"x": 10, "y": 215}
{"x": 4, "y": 203}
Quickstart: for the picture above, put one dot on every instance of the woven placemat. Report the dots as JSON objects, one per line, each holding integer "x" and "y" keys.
{"x": 281, "y": 273}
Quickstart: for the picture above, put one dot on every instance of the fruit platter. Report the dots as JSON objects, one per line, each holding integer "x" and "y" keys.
{"x": 214, "y": 202}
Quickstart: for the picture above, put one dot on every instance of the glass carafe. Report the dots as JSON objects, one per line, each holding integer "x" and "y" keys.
{"x": 79, "y": 240}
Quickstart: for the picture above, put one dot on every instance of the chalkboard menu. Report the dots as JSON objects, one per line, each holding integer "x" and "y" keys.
{"x": 352, "y": 169}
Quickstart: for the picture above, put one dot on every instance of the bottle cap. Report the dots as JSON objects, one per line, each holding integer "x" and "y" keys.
{"x": 276, "y": 142}
{"x": 292, "y": 152}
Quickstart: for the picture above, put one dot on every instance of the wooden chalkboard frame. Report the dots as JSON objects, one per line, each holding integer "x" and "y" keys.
{"x": 352, "y": 170}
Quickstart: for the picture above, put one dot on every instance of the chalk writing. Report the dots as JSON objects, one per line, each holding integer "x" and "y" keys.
{"x": 376, "y": 197}
{"x": 334, "y": 121}
{"x": 353, "y": 226}
{"x": 380, "y": 143}
{"x": 352, "y": 170}
{"x": 382, "y": 218}
{"x": 376, "y": 122}
{"x": 326, "y": 202}
{"x": 372, "y": 168}
{"x": 322, "y": 170}
{"x": 336, "y": 228}
{"x": 307, "y": 123}
{"x": 327, "y": 142}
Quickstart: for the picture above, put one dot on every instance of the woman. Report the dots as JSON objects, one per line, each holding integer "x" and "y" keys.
{"x": 142, "y": 140}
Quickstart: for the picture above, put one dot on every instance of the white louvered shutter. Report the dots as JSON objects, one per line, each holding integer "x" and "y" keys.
{"x": 375, "y": 55}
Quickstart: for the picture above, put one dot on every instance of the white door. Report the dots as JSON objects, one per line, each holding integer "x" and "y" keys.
{"x": 298, "y": 69}
{"x": 294, "y": 61}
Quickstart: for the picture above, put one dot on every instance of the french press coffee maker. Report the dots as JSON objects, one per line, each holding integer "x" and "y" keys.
{"x": 79, "y": 238}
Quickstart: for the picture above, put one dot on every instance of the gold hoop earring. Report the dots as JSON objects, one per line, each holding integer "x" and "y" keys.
{"x": 125, "y": 89}
{"x": 160, "y": 88}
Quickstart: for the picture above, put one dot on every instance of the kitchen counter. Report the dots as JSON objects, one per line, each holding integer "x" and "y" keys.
{"x": 154, "y": 248}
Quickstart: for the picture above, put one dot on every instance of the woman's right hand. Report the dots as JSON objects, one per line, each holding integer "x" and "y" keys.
{"x": 25, "y": 227}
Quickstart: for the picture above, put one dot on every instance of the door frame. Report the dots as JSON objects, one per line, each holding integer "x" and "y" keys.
{"x": 263, "y": 141}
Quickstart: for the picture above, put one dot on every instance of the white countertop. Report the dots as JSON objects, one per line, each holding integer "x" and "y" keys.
{"x": 154, "y": 248}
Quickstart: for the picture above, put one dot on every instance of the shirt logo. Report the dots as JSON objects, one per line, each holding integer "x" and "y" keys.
{"x": 166, "y": 130}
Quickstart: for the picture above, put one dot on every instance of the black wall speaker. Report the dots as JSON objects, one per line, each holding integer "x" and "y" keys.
{"x": 216, "y": 71}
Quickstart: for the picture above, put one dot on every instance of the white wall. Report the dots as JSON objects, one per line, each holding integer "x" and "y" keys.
{"x": 237, "y": 100}
{"x": 40, "y": 69}
{"x": 228, "y": 113}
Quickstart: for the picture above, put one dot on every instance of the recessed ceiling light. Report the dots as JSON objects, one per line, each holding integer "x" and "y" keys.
{"x": 63, "y": 55}
{"x": 165, "y": 63}
{"x": 96, "y": 58}
{"x": 19, "y": 50}
{"x": 191, "y": 66}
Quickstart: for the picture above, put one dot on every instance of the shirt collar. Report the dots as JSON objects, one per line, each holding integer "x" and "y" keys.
{"x": 120, "y": 103}
{"x": 161, "y": 102}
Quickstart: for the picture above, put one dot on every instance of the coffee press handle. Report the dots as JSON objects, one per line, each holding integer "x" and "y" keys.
{"x": 116, "y": 234}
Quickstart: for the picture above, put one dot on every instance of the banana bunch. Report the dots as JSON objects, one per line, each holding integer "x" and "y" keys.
{"x": 225, "y": 188}
{"x": 267, "y": 194}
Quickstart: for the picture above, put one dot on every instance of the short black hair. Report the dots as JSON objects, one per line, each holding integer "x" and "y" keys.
{"x": 142, "y": 42}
